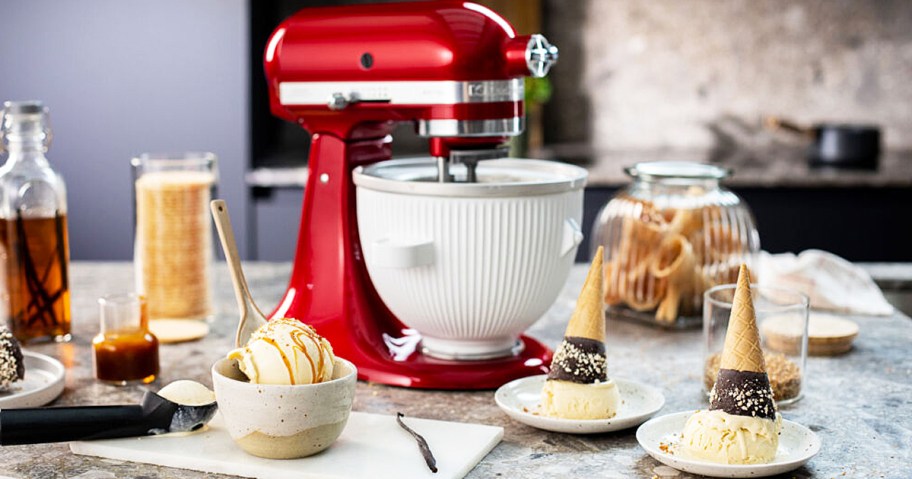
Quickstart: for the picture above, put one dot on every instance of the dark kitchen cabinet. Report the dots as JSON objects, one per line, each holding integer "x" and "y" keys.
{"x": 858, "y": 224}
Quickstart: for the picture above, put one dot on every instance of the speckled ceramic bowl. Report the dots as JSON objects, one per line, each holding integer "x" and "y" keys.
{"x": 284, "y": 422}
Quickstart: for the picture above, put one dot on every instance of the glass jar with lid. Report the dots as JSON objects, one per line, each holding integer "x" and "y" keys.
{"x": 669, "y": 236}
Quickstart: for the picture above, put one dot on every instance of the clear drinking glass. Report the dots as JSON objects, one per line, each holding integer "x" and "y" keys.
{"x": 782, "y": 317}
{"x": 173, "y": 245}
{"x": 125, "y": 352}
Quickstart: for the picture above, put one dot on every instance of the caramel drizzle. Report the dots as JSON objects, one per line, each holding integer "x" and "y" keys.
{"x": 298, "y": 337}
{"x": 288, "y": 367}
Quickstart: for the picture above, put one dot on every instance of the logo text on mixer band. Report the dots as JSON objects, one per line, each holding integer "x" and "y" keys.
{"x": 440, "y": 92}
{"x": 493, "y": 90}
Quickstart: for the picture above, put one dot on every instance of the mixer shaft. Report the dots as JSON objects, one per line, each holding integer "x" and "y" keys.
{"x": 470, "y": 159}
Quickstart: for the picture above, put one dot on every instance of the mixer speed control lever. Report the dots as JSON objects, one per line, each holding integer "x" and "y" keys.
{"x": 339, "y": 101}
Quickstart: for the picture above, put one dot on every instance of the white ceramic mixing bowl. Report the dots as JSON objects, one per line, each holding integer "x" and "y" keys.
{"x": 469, "y": 266}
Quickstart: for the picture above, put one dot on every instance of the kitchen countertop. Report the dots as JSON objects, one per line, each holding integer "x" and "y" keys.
{"x": 858, "y": 403}
{"x": 780, "y": 169}
{"x": 763, "y": 168}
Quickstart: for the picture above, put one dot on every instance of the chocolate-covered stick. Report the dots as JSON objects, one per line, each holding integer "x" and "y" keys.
{"x": 422, "y": 444}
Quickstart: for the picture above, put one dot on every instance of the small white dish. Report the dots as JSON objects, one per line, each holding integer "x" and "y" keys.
{"x": 44, "y": 381}
{"x": 521, "y": 400}
{"x": 797, "y": 445}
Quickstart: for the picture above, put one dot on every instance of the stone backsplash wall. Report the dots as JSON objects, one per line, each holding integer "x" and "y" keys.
{"x": 691, "y": 74}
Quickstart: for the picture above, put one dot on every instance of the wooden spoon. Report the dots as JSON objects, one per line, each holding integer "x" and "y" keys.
{"x": 251, "y": 316}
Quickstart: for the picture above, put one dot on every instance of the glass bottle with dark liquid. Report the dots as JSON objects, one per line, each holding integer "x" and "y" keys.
{"x": 34, "y": 247}
{"x": 125, "y": 352}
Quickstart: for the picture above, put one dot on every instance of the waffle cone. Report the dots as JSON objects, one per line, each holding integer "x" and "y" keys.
{"x": 588, "y": 319}
{"x": 742, "y": 341}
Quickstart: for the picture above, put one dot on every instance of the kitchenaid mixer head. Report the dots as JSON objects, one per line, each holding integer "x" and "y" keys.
{"x": 454, "y": 69}
{"x": 347, "y": 75}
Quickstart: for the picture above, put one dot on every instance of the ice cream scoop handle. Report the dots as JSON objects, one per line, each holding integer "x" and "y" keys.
{"x": 251, "y": 316}
{"x": 226, "y": 235}
{"x": 42, "y": 425}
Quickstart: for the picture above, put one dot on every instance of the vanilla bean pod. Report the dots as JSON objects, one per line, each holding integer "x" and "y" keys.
{"x": 422, "y": 444}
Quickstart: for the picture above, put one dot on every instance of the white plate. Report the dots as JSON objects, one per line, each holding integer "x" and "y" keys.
{"x": 521, "y": 399}
{"x": 797, "y": 445}
{"x": 42, "y": 384}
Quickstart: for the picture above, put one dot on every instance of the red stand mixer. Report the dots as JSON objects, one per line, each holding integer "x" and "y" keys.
{"x": 348, "y": 75}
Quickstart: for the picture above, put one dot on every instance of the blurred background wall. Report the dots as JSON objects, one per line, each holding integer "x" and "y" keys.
{"x": 126, "y": 77}
{"x": 670, "y": 75}
{"x": 694, "y": 79}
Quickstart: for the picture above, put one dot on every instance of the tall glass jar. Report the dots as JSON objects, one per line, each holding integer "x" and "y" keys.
{"x": 33, "y": 228}
{"x": 669, "y": 236}
{"x": 173, "y": 245}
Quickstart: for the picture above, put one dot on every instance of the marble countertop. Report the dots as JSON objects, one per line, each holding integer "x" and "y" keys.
{"x": 858, "y": 403}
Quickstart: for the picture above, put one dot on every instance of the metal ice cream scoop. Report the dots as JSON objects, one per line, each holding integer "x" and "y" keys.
{"x": 155, "y": 415}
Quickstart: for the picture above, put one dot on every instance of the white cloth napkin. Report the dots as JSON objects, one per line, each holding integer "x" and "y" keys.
{"x": 830, "y": 282}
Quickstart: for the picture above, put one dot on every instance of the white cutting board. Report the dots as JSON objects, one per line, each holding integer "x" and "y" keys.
{"x": 372, "y": 445}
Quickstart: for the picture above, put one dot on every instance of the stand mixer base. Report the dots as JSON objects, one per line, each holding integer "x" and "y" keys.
{"x": 470, "y": 350}
{"x": 419, "y": 370}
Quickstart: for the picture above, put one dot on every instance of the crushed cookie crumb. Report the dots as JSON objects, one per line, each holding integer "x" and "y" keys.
{"x": 784, "y": 374}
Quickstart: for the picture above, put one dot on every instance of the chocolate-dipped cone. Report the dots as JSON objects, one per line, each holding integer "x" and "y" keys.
{"x": 742, "y": 386}
{"x": 581, "y": 355}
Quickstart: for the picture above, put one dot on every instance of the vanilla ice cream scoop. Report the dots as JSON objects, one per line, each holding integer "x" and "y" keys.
{"x": 724, "y": 438}
{"x": 285, "y": 351}
{"x": 569, "y": 400}
{"x": 188, "y": 393}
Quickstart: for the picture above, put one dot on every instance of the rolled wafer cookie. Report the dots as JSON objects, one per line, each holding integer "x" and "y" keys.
{"x": 676, "y": 263}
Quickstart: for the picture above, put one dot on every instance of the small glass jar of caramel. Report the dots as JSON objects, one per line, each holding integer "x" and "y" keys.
{"x": 125, "y": 352}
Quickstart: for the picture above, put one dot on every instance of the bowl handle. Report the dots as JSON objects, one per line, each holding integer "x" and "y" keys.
{"x": 572, "y": 236}
{"x": 387, "y": 254}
